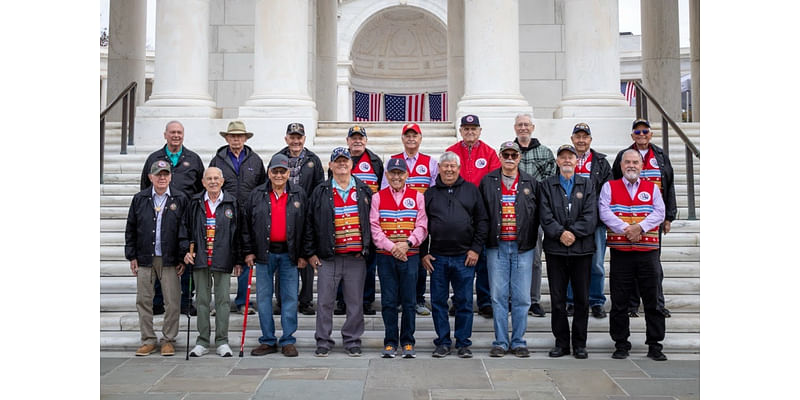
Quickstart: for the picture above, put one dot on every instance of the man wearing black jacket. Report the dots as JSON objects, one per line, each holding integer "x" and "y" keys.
{"x": 568, "y": 214}
{"x": 657, "y": 169}
{"x": 243, "y": 170}
{"x": 457, "y": 227}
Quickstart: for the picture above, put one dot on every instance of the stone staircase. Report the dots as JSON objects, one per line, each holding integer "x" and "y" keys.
{"x": 119, "y": 321}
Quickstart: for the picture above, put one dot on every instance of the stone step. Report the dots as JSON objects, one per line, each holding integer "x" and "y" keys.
{"x": 599, "y": 344}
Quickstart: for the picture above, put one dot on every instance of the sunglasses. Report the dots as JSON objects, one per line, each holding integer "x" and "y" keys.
{"x": 641, "y": 132}
{"x": 510, "y": 156}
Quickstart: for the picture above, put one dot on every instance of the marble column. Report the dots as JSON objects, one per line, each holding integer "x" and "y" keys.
{"x": 344, "y": 96}
{"x": 180, "y": 78}
{"x": 455, "y": 55}
{"x": 591, "y": 32}
{"x": 126, "y": 50}
{"x": 326, "y": 85}
{"x": 694, "y": 36}
{"x": 661, "y": 66}
{"x": 491, "y": 68}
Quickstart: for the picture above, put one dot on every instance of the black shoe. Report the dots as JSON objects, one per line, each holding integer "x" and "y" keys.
{"x": 321, "y": 352}
{"x": 558, "y": 352}
{"x": 441, "y": 352}
{"x": 620, "y": 354}
{"x": 464, "y": 352}
{"x": 598, "y": 312}
{"x": 191, "y": 310}
{"x": 665, "y": 312}
{"x": 354, "y": 351}
{"x": 306, "y": 309}
{"x": 656, "y": 355}
{"x": 570, "y": 310}
{"x": 368, "y": 310}
{"x": 521, "y": 352}
{"x": 340, "y": 309}
{"x": 276, "y": 310}
{"x": 580, "y": 352}
{"x": 158, "y": 309}
{"x": 633, "y": 313}
{"x": 486, "y": 312}
{"x": 536, "y": 310}
{"x": 497, "y": 351}
{"x": 452, "y": 311}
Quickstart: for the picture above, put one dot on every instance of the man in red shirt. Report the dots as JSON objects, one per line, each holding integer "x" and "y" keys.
{"x": 477, "y": 159}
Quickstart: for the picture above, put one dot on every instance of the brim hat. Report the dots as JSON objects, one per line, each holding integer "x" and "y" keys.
{"x": 296, "y": 128}
{"x": 640, "y": 121}
{"x": 567, "y": 147}
{"x": 236, "y": 128}
{"x": 159, "y": 166}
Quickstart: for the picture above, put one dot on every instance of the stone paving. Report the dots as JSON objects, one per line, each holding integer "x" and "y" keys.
{"x": 123, "y": 376}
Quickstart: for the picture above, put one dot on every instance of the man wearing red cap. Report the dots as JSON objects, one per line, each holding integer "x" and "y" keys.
{"x": 422, "y": 172}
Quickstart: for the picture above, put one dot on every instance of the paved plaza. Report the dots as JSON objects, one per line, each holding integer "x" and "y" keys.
{"x": 339, "y": 377}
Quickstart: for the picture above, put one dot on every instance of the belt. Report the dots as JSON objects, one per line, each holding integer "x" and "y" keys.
{"x": 278, "y": 247}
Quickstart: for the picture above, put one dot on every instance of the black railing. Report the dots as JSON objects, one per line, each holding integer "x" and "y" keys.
{"x": 642, "y": 98}
{"x": 128, "y": 98}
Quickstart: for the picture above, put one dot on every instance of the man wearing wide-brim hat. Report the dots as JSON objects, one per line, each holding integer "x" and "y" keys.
{"x": 243, "y": 171}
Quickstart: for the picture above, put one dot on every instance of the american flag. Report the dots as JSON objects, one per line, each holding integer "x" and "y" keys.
{"x": 437, "y": 106}
{"x": 404, "y": 107}
{"x": 629, "y": 90}
{"x": 366, "y": 106}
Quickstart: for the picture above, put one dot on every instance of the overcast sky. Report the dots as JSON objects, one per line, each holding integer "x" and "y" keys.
{"x": 629, "y": 19}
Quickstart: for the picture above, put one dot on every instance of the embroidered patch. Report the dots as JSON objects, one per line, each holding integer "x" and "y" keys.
{"x": 421, "y": 169}
{"x": 644, "y": 196}
{"x": 296, "y": 204}
{"x": 588, "y": 165}
{"x": 579, "y": 195}
{"x": 229, "y": 213}
{"x": 173, "y": 206}
{"x": 527, "y": 191}
{"x": 480, "y": 163}
{"x": 409, "y": 203}
{"x": 470, "y": 118}
{"x": 654, "y": 163}
{"x": 353, "y": 196}
{"x": 186, "y": 164}
{"x": 310, "y": 164}
{"x": 162, "y": 164}
{"x": 363, "y": 166}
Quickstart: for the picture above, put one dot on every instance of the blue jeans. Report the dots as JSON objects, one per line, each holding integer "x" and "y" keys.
{"x": 241, "y": 287}
{"x": 598, "y": 271}
{"x": 398, "y": 285}
{"x": 510, "y": 275}
{"x": 289, "y": 281}
{"x": 450, "y": 270}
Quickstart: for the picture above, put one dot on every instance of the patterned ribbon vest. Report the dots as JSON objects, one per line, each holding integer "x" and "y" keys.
{"x": 632, "y": 211}
{"x": 585, "y": 169}
{"x": 508, "y": 224}
{"x": 397, "y": 220}
{"x": 211, "y": 228}
{"x": 419, "y": 178}
{"x": 650, "y": 170}
{"x": 362, "y": 169}
{"x": 348, "y": 226}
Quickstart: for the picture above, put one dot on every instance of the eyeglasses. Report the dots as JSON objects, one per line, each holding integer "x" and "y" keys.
{"x": 510, "y": 156}
{"x": 641, "y": 132}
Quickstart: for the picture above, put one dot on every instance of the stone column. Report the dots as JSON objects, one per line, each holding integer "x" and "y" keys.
{"x": 455, "y": 55}
{"x": 126, "y": 50}
{"x": 591, "y": 32}
{"x": 491, "y": 67}
{"x": 344, "y": 96}
{"x": 694, "y": 36}
{"x": 661, "y": 64}
{"x": 180, "y": 78}
{"x": 326, "y": 90}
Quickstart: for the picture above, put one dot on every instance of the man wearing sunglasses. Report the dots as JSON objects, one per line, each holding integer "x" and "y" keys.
{"x": 657, "y": 169}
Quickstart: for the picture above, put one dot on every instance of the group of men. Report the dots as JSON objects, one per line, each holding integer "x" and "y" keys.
{"x": 475, "y": 216}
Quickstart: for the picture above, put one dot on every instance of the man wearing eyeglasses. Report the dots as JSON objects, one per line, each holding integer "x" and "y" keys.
{"x": 657, "y": 169}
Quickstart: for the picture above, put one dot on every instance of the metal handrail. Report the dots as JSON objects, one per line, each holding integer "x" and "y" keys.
{"x": 128, "y": 98}
{"x": 642, "y": 98}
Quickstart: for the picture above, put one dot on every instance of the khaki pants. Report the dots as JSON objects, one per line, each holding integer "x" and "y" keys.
{"x": 222, "y": 302}
{"x": 171, "y": 288}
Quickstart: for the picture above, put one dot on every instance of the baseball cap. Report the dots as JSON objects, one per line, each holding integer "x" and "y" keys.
{"x": 357, "y": 129}
{"x": 159, "y": 166}
{"x": 640, "y": 121}
{"x": 296, "y": 127}
{"x": 279, "y": 161}
{"x": 581, "y": 126}
{"x": 470, "y": 119}
{"x": 509, "y": 145}
{"x": 396, "y": 164}
{"x": 567, "y": 147}
{"x": 340, "y": 152}
{"x": 411, "y": 127}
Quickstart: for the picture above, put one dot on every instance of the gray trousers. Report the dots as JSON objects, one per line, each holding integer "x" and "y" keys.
{"x": 221, "y": 281}
{"x": 536, "y": 275}
{"x": 171, "y": 288}
{"x": 351, "y": 270}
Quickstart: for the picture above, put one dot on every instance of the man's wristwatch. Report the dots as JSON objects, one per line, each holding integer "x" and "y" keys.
{"x": 409, "y": 244}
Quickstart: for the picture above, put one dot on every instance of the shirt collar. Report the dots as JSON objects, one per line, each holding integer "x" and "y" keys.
{"x": 407, "y": 157}
{"x": 154, "y": 194}
{"x": 219, "y": 199}
{"x": 177, "y": 153}
{"x": 241, "y": 153}
{"x": 629, "y": 184}
{"x": 349, "y": 185}
{"x": 565, "y": 180}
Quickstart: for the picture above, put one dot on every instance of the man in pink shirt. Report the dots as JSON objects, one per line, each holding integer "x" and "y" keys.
{"x": 398, "y": 225}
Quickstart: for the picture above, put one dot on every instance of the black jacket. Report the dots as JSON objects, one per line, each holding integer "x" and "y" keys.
{"x": 320, "y": 231}
{"x": 457, "y": 220}
{"x": 577, "y": 215}
{"x": 251, "y": 174}
{"x": 667, "y": 179}
{"x": 140, "y": 229}
{"x": 311, "y": 173}
{"x": 187, "y": 176}
{"x": 257, "y": 222}
{"x": 525, "y": 207}
{"x": 226, "y": 234}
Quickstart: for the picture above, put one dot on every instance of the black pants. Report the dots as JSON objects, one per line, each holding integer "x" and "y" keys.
{"x": 631, "y": 270}
{"x": 634, "y": 301}
{"x": 560, "y": 271}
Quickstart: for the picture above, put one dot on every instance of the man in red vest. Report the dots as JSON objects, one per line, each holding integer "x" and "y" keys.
{"x": 632, "y": 209}
{"x": 422, "y": 172}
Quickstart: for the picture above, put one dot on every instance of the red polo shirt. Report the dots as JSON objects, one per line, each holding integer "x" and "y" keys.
{"x": 277, "y": 232}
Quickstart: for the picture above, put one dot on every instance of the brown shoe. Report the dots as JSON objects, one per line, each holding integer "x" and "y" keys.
{"x": 167, "y": 349}
{"x": 289, "y": 350}
{"x": 146, "y": 350}
{"x": 263, "y": 349}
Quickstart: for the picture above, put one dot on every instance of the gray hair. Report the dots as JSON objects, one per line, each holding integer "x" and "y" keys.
{"x": 631, "y": 151}
{"x": 209, "y": 169}
{"x": 166, "y": 127}
{"x": 449, "y": 156}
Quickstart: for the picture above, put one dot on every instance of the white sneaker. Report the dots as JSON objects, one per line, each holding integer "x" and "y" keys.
{"x": 198, "y": 351}
{"x": 224, "y": 351}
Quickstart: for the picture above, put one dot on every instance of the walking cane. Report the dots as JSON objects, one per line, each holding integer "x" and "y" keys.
{"x": 246, "y": 310}
{"x": 189, "y": 314}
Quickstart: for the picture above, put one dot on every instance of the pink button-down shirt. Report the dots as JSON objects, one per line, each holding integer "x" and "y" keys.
{"x": 617, "y": 225}
{"x": 420, "y": 231}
